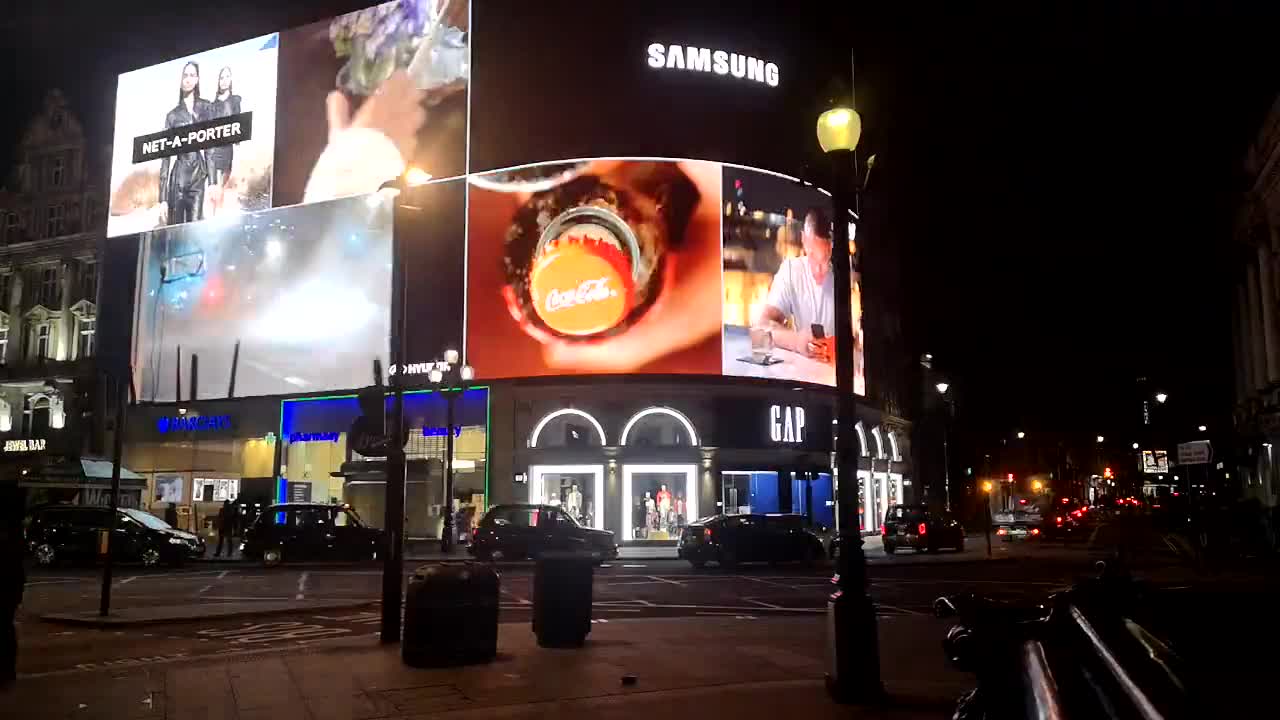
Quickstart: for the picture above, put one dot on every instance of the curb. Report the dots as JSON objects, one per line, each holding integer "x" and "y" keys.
{"x": 207, "y": 611}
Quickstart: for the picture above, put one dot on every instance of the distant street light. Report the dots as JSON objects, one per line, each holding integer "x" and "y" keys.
{"x": 1037, "y": 485}
{"x": 1202, "y": 428}
{"x": 1021, "y": 435}
{"x": 1135, "y": 446}
{"x": 1161, "y": 397}
{"x": 942, "y": 387}
{"x": 1101, "y": 439}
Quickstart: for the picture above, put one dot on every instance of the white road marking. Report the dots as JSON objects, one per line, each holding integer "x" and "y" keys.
{"x": 244, "y": 597}
{"x": 762, "y": 603}
{"x": 635, "y": 566}
{"x": 766, "y": 582}
{"x": 127, "y": 580}
{"x": 666, "y": 580}
{"x": 204, "y": 589}
{"x": 223, "y": 574}
{"x": 302, "y": 584}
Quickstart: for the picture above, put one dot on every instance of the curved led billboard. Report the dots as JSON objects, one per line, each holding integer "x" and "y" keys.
{"x": 595, "y": 202}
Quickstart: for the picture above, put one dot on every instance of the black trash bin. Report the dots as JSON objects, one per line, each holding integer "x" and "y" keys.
{"x": 451, "y": 615}
{"x": 562, "y": 598}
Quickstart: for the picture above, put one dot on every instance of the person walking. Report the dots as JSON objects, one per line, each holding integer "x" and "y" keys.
{"x": 228, "y": 520}
{"x": 13, "y": 579}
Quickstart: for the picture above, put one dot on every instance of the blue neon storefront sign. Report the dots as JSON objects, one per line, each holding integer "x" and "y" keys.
{"x": 193, "y": 423}
{"x": 313, "y": 437}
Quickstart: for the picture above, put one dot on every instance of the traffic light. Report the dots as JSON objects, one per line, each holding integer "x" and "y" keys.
{"x": 1106, "y": 473}
{"x": 986, "y": 486}
{"x": 1010, "y": 477}
{"x": 369, "y": 436}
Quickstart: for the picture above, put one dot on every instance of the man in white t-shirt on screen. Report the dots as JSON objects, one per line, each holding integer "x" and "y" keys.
{"x": 803, "y": 291}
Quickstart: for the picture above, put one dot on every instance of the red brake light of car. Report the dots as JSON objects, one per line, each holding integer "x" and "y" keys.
{"x": 1058, "y": 519}
{"x": 706, "y": 534}
{"x": 1002, "y": 531}
{"x": 1035, "y": 531}
{"x": 882, "y": 529}
{"x": 922, "y": 529}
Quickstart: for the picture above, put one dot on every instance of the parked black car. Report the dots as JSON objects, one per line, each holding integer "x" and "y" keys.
{"x": 732, "y": 539}
{"x": 300, "y": 532}
{"x": 512, "y": 532}
{"x": 914, "y": 526}
{"x": 73, "y": 533}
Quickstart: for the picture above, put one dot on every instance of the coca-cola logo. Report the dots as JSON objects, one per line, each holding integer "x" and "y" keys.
{"x": 587, "y": 292}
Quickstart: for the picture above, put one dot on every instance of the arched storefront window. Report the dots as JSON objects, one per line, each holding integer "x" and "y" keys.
{"x": 659, "y": 427}
{"x": 577, "y": 488}
{"x": 659, "y": 498}
{"x": 567, "y": 427}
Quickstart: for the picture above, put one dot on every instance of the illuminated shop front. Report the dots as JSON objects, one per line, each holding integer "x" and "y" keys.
{"x": 318, "y": 465}
{"x": 195, "y": 455}
{"x": 645, "y": 458}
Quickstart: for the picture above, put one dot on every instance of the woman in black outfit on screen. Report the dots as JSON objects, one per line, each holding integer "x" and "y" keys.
{"x": 183, "y": 177}
{"x": 224, "y": 104}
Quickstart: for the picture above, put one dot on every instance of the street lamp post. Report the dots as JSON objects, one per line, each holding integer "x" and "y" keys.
{"x": 853, "y": 672}
{"x": 449, "y": 377}
{"x": 393, "y": 519}
{"x": 986, "y": 513}
{"x": 946, "y": 457}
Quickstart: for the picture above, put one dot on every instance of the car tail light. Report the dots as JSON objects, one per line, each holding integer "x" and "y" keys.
{"x": 883, "y": 530}
{"x": 1058, "y": 519}
{"x": 922, "y": 529}
{"x": 1035, "y": 531}
{"x": 1002, "y": 531}
{"x": 707, "y": 534}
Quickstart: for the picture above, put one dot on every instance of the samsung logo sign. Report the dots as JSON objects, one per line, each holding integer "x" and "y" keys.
{"x": 195, "y": 423}
{"x": 719, "y": 62}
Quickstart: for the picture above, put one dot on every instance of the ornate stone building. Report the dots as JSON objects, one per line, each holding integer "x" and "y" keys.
{"x": 52, "y": 222}
{"x": 1256, "y": 317}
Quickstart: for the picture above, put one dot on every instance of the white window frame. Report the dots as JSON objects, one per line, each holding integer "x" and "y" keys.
{"x": 54, "y": 220}
{"x": 46, "y": 328}
{"x": 48, "y": 291}
{"x": 4, "y": 336}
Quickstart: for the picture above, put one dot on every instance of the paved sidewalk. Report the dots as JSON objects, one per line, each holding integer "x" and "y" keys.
{"x": 152, "y": 614}
{"x": 709, "y": 666}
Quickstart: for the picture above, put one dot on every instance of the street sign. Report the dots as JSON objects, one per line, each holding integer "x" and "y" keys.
{"x": 1198, "y": 452}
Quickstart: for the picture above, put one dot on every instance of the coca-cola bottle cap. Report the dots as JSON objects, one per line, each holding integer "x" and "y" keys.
{"x": 581, "y": 285}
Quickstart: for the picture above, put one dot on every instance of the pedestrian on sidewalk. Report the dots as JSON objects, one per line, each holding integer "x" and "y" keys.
{"x": 228, "y": 524}
{"x": 13, "y": 578}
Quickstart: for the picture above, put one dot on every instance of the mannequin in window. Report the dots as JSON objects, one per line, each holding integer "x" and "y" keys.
{"x": 664, "y": 504}
{"x": 650, "y": 514}
{"x": 573, "y": 503}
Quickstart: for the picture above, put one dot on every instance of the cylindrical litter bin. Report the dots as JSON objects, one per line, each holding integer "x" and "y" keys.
{"x": 450, "y": 615}
{"x": 562, "y": 599}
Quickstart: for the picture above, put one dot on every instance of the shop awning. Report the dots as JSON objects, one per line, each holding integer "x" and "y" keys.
{"x": 70, "y": 472}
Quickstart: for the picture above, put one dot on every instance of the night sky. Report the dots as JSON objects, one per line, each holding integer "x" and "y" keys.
{"x": 1060, "y": 187}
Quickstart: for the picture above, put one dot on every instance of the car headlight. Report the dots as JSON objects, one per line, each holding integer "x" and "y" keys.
{"x": 241, "y": 547}
{"x": 177, "y": 541}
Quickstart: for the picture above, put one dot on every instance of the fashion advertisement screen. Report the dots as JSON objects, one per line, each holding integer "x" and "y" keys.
{"x": 279, "y": 301}
{"x": 194, "y": 137}
{"x": 324, "y": 111}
